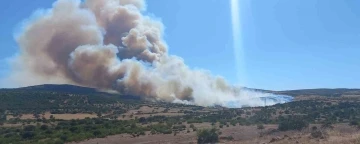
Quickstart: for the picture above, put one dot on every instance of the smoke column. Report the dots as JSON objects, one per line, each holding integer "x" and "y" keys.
{"x": 111, "y": 45}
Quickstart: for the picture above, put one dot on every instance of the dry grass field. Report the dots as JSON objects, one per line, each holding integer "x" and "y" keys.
{"x": 340, "y": 134}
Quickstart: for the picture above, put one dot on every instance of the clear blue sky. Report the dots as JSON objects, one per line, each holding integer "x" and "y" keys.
{"x": 288, "y": 44}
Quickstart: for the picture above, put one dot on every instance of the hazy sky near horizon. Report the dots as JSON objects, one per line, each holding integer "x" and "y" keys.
{"x": 287, "y": 44}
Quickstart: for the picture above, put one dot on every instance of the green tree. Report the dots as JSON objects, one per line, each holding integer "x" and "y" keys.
{"x": 98, "y": 114}
{"x": 28, "y": 135}
{"x": 354, "y": 123}
{"x": 29, "y": 128}
{"x": 208, "y": 136}
{"x": 260, "y": 126}
{"x": 64, "y": 137}
{"x": 44, "y": 127}
{"x": 292, "y": 124}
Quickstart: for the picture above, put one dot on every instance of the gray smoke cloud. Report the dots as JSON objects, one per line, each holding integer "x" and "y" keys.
{"x": 111, "y": 45}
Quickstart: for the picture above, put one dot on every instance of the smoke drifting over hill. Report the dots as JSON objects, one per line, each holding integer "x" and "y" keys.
{"x": 111, "y": 45}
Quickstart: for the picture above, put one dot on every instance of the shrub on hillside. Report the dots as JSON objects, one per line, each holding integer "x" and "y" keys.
{"x": 208, "y": 136}
{"x": 260, "y": 126}
{"x": 354, "y": 123}
{"x": 292, "y": 124}
{"x": 29, "y": 128}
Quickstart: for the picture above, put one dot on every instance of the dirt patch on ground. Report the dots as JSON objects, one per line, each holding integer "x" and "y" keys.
{"x": 56, "y": 116}
{"x": 11, "y": 125}
{"x": 239, "y": 133}
{"x": 148, "y": 139}
{"x": 340, "y": 134}
{"x": 70, "y": 116}
{"x": 130, "y": 115}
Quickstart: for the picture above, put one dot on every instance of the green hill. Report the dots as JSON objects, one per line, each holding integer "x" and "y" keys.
{"x": 58, "y": 97}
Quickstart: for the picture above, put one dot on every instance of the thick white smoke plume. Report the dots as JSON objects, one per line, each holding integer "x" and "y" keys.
{"x": 111, "y": 45}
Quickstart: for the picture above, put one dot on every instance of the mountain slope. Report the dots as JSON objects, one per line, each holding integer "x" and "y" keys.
{"x": 321, "y": 92}
{"x": 56, "y": 88}
{"x": 35, "y": 98}
{"x": 308, "y": 92}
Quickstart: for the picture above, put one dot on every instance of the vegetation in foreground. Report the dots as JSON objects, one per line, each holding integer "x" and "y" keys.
{"x": 113, "y": 116}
